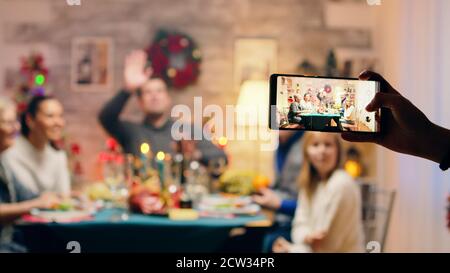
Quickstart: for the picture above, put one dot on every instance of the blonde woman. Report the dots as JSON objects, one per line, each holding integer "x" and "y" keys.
{"x": 329, "y": 215}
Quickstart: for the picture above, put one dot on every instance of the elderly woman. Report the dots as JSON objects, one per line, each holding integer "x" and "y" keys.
{"x": 34, "y": 159}
{"x": 15, "y": 200}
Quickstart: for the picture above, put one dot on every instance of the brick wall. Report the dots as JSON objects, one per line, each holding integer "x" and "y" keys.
{"x": 300, "y": 27}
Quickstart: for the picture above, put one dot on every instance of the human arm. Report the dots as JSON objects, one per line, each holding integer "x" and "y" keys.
{"x": 12, "y": 211}
{"x": 405, "y": 128}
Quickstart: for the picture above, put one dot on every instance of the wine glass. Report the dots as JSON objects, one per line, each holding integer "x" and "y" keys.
{"x": 114, "y": 176}
{"x": 216, "y": 167}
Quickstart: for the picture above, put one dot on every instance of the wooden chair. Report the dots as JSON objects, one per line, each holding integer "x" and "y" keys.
{"x": 376, "y": 212}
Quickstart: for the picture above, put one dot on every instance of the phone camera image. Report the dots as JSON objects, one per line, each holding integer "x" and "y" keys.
{"x": 322, "y": 104}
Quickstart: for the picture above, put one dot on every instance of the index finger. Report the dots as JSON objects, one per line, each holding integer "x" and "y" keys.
{"x": 385, "y": 86}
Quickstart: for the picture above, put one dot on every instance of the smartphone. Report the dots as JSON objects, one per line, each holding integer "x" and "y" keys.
{"x": 314, "y": 103}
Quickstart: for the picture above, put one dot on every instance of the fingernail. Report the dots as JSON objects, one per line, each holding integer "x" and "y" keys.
{"x": 364, "y": 74}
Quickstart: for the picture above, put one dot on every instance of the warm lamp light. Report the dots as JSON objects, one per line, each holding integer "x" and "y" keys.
{"x": 353, "y": 168}
{"x": 254, "y": 96}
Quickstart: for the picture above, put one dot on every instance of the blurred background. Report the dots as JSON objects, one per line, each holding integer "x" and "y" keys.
{"x": 245, "y": 40}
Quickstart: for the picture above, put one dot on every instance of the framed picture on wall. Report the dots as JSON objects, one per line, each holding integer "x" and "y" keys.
{"x": 92, "y": 64}
{"x": 254, "y": 59}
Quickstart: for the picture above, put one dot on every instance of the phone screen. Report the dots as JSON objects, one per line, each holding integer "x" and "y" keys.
{"x": 322, "y": 104}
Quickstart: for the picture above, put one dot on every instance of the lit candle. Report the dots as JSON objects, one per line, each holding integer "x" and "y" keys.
{"x": 179, "y": 162}
{"x": 181, "y": 159}
{"x": 145, "y": 149}
{"x": 168, "y": 176}
{"x": 160, "y": 156}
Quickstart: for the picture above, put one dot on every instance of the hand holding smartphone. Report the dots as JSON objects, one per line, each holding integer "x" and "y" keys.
{"x": 323, "y": 104}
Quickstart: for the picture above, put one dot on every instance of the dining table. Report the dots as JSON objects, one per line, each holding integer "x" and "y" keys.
{"x": 118, "y": 230}
{"x": 320, "y": 122}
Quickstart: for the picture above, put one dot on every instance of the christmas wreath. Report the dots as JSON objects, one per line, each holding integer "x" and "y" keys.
{"x": 175, "y": 58}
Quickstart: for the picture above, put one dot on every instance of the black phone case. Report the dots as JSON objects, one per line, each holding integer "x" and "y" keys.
{"x": 273, "y": 106}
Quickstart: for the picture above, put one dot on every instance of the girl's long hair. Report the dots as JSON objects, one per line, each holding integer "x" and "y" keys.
{"x": 309, "y": 177}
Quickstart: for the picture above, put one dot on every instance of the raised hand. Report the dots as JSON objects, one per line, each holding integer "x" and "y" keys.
{"x": 135, "y": 72}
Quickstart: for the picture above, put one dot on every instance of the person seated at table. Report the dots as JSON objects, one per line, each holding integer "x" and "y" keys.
{"x": 316, "y": 103}
{"x": 329, "y": 217}
{"x": 294, "y": 111}
{"x": 349, "y": 112}
{"x": 15, "y": 200}
{"x": 321, "y": 108}
{"x": 282, "y": 196}
{"x": 348, "y": 121}
{"x": 155, "y": 103}
{"x": 306, "y": 104}
{"x": 35, "y": 158}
